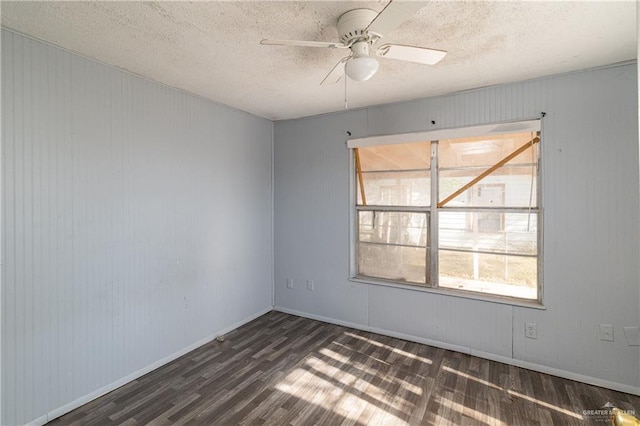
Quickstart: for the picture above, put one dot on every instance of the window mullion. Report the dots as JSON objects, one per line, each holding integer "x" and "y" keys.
{"x": 433, "y": 218}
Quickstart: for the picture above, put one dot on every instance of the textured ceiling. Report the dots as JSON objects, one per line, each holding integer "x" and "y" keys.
{"x": 212, "y": 48}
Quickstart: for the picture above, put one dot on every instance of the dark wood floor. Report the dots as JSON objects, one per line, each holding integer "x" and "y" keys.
{"x": 281, "y": 369}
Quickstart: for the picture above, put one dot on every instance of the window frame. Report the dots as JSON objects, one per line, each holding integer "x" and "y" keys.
{"x": 432, "y": 211}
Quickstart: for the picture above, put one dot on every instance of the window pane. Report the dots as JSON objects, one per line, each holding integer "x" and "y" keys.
{"x": 393, "y": 228}
{"x": 407, "y": 156}
{"x": 509, "y": 186}
{"x": 485, "y": 151}
{"x": 499, "y": 232}
{"x": 514, "y": 276}
{"x": 396, "y": 188}
{"x": 392, "y": 262}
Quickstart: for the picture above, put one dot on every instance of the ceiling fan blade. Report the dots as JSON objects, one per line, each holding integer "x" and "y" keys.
{"x": 394, "y": 14}
{"x": 303, "y": 43}
{"x": 336, "y": 73}
{"x": 420, "y": 55}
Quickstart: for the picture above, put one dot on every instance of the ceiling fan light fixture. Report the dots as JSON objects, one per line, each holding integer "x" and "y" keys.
{"x": 360, "y": 31}
{"x": 362, "y": 68}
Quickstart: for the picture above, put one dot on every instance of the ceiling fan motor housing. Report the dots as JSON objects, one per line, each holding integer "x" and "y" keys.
{"x": 360, "y": 49}
{"x": 352, "y": 24}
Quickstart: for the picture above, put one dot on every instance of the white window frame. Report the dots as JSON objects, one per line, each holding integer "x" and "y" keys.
{"x": 534, "y": 125}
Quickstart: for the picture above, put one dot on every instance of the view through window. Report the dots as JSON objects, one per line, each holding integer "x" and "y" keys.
{"x": 459, "y": 214}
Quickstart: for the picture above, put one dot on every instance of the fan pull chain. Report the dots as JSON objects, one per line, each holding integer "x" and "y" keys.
{"x": 346, "y": 106}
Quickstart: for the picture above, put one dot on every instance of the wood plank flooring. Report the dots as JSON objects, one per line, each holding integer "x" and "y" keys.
{"x": 282, "y": 369}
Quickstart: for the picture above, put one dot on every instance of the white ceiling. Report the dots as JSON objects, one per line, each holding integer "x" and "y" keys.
{"x": 212, "y": 48}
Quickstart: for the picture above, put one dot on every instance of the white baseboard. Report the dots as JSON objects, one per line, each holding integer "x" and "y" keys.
{"x": 634, "y": 390}
{"x": 389, "y": 333}
{"x": 114, "y": 385}
{"x": 620, "y": 387}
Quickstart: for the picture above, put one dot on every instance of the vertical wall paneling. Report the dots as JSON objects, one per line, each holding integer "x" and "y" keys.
{"x": 638, "y": 87}
{"x": 591, "y": 210}
{"x": 312, "y": 202}
{"x": 136, "y": 222}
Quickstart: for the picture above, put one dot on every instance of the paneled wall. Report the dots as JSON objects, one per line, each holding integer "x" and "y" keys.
{"x": 591, "y": 226}
{"x": 136, "y": 223}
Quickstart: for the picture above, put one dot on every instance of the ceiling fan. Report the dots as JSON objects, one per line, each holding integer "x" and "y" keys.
{"x": 361, "y": 30}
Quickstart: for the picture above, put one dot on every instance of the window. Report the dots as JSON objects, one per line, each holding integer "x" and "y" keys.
{"x": 456, "y": 213}
{"x": 394, "y": 194}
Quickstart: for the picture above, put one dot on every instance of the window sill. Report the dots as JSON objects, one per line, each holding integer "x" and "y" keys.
{"x": 533, "y": 304}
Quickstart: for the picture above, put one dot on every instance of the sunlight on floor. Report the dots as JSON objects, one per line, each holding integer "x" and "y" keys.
{"x": 370, "y": 357}
{"x": 334, "y": 355}
{"x": 514, "y": 393}
{"x": 366, "y": 369}
{"x": 391, "y": 348}
{"x": 545, "y": 404}
{"x": 469, "y": 412}
{"x": 346, "y": 380}
{"x": 475, "y": 379}
{"x": 322, "y": 370}
{"x": 337, "y": 390}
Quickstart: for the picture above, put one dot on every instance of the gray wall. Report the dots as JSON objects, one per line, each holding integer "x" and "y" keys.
{"x": 591, "y": 212}
{"x": 136, "y": 223}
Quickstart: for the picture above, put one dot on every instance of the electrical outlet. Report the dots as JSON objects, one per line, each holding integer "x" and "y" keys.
{"x": 289, "y": 282}
{"x": 531, "y": 330}
{"x": 310, "y": 285}
{"x": 606, "y": 332}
